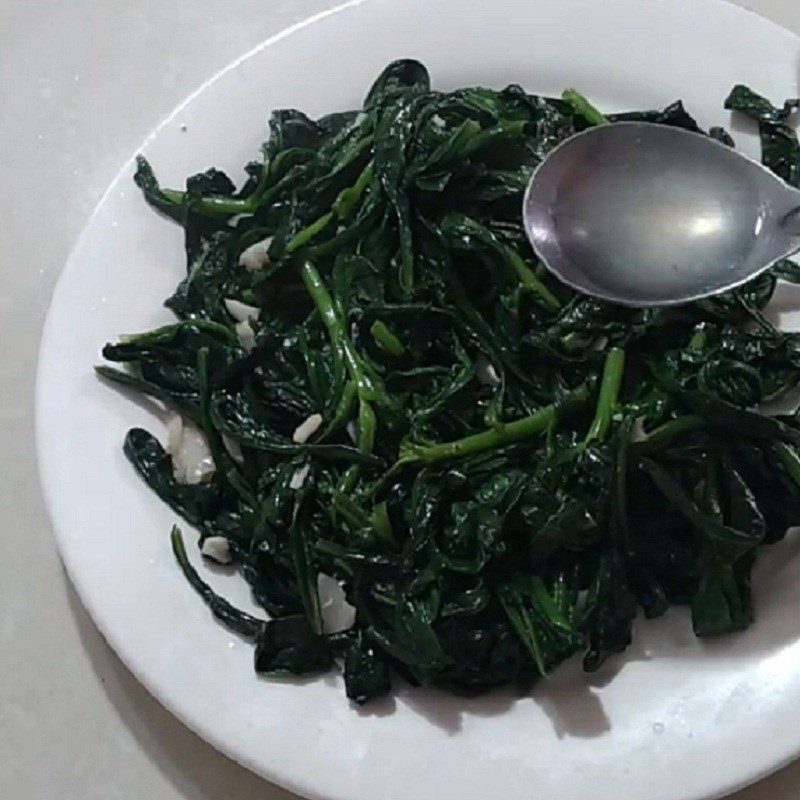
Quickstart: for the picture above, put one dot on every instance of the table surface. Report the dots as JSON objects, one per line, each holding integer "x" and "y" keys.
{"x": 74, "y": 723}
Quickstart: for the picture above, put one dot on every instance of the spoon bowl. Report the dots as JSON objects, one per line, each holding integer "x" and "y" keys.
{"x": 647, "y": 215}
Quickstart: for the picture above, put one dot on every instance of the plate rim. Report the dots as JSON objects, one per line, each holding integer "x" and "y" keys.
{"x": 45, "y": 467}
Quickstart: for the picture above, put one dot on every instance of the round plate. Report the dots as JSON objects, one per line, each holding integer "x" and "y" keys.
{"x": 674, "y": 718}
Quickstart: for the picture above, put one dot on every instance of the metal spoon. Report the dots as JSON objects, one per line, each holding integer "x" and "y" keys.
{"x": 649, "y": 215}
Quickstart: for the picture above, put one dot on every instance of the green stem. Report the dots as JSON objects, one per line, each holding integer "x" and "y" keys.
{"x": 352, "y": 513}
{"x": 664, "y": 434}
{"x": 345, "y": 350}
{"x": 183, "y": 404}
{"x": 583, "y": 107}
{"x": 505, "y": 130}
{"x": 355, "y": 152}
{"x": 528, "y": 278}
{"x": 309, "y": 232}
{"x": 341, "y": 209}
{"x": 205, "y": 416}
{"x": 227, "y": 205}
{"x": 236, "y": 620}
{"x": 609, "y": 392}
{"x": 386, "y": 340}
{"x": 213, "y": 205}
{"x": 381, "y": 522}
{"x": 224, "y": 465}
{"x": 344, "y": 408}
{"x": 348, "y": 480}
{"x": 511, "y": 432}
{"x": 790, "y": 460}
{"x": 341, "y": 239}
{"x": 366, "y": 427}
{"x": 207, "y": 325}
{"x": 367, "y": 423}
{"x": 324, "y": 304}
{"x": 348, "y": 198}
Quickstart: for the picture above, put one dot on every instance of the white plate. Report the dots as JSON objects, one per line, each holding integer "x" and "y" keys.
{"x": 674, "y": 719}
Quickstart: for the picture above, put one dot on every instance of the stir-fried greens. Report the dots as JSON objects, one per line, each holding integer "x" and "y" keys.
{"x": 396, "y": 399}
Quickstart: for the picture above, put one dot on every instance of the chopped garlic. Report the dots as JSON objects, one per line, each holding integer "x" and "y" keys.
{"x": 217, "y": 549}
{"x": 305, "y": 430}
{"x": 352, "y": 431}
{"x": 192, "y": 462}
{"x": 299, "y": 477}
{"x": 241, "y": 312}
{"x": 485, "y": 371}
{"x": 638, "y": 433}
{"x": 234, "y": 449}
{"x": 601, "y": 343}
{"x": 256, "y": 256}
{"x": 247, "y": 336}
{"x": 337, "y": 613}
{"x": 174, "y": 433}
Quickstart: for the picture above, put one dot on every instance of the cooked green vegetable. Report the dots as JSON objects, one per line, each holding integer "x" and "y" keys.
{"x": 498, "y": 471}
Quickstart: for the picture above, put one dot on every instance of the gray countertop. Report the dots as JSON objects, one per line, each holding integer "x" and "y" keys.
{"x": 81, "y": 84}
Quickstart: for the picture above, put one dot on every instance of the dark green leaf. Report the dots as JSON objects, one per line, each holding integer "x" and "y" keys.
{"x": 289, "y": 646}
